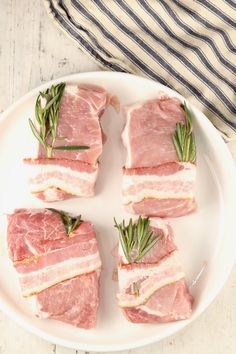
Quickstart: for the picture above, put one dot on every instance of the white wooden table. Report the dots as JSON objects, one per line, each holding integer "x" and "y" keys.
{"x": 33, "y": 51}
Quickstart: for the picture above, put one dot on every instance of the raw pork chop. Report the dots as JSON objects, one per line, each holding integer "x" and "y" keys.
{"x": 60, "y": 270}
{"x": 155, "y": 182}
{"x": 73, "y": 172}
{"x": 153, "y": 290}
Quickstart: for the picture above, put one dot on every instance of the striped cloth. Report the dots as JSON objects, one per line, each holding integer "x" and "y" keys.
{"x": 189, "y": 46}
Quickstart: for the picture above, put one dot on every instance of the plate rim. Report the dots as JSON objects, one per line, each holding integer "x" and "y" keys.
{"x": 149, "y": 340}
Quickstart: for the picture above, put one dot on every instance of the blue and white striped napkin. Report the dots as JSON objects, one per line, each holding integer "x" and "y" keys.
{"x": 189, "y": 46}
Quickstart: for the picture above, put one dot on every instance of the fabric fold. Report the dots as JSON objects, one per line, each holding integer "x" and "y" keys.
{"x": 189, "y": 47}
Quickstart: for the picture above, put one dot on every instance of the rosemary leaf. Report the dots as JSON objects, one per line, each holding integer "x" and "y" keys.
{"x": 180, "y": 135}
{"x": 193, "y": 150}
{"x": 71, "y": 147}
{"x": 76, "y": 223}
{"x": 177, "y": 147}
{"x": 187, "y": 149}
{"x": 36, "y": 134}
{"x": 144, "y": 240}
{"x": 188, "y": 118}
{"x": 122, "y": 240}
{"x": 38, "y": 112}
{"x": 143, "y": 235}
{"x": 51, "y": 102}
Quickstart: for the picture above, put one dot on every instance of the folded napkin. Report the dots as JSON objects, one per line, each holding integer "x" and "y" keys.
{"x": 189, "y": 46}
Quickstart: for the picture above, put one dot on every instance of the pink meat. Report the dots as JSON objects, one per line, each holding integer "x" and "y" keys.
{"x": 58, "y": 178}
{"x": 79, "y": 122}
{"x": 162, "y": 248}
{"x": 33, "y": 232}
{"x": 166, "y": 169}
{"x": 50, "y": 262}
{"x": 173, "y": 301}
{"x": 177, "y": 186}
{"x": 148, "y": 132}
{"x": 162, "y": 207}
{"x": 165, "y": 190}
{"x": 74, "y": 301}
{"x": 36, "y": 232}
{"x": 163, "y": 295}
{"x": 154, "y": 182}
{"x": 53, "y": 194}
{"x": 74, "y": 165}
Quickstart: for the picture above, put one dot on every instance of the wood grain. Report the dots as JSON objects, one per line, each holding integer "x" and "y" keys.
{"x": 33, "y": 51}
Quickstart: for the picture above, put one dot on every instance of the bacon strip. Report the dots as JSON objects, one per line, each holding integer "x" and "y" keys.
{"x": 172, "y": 302}
{"x": 165, "y": 190}
{"x": 57, "y": 179}
{"x": 45, "y": 275}
{"x": 149, "y": 279}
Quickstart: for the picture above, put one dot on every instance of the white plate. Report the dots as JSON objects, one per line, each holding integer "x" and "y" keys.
{"x": 205, "y": 238}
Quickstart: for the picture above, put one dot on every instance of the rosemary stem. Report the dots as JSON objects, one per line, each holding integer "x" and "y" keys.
{"x": 49, "y": 151}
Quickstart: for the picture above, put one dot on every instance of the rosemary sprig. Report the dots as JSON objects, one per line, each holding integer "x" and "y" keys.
{"x": 70, "y": 222}
{"x": 47, "y": 116}
{"x": 136, "y": 238}
{"x": 183, "y": 139}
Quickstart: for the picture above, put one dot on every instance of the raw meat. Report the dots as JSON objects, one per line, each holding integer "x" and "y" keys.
{"x": 162, "y": 207}
{"x": 163, "y": 247}
{"x": 165, "y": 190}
{"x": 147, "y": 135}
{"x": 74, "y": 301}
{"x": 171, "y": 303}
{"x": 154, "y": 182}
{"x": 57, "y": 179}
{"x": 162, "y": 295}
{"x": 51, "y": 263}
{"x": 79, "y": 122}
{"x": 73, "y": 172}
